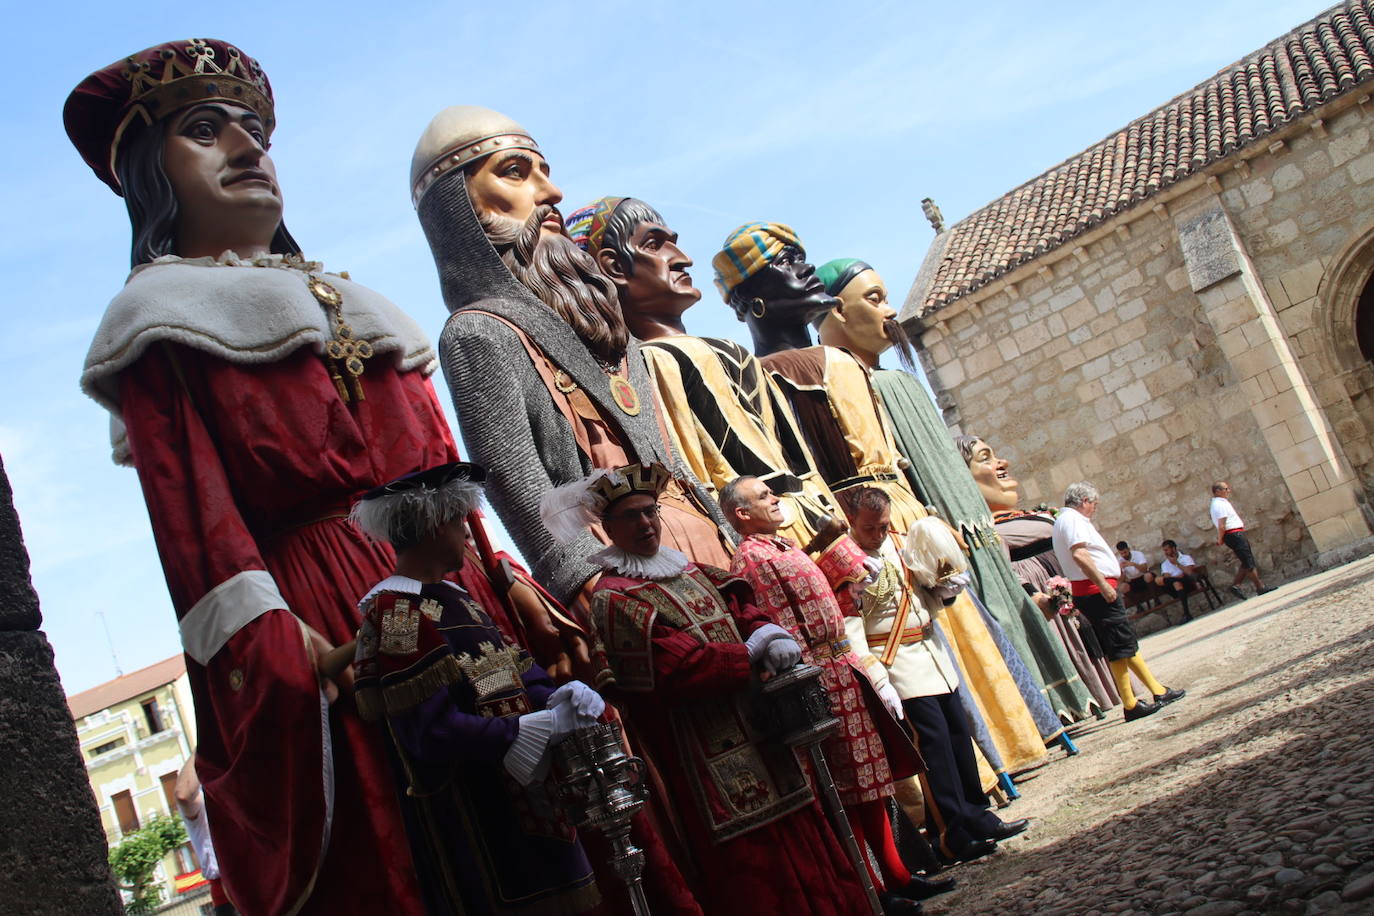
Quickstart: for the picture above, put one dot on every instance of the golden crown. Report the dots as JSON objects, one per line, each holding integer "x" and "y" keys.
{"x": 615, "y": 485}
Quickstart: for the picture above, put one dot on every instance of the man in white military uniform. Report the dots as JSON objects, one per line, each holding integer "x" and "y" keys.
{"x": 914, "y": 674}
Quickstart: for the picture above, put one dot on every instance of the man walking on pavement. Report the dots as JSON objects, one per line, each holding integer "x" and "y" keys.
{"x": 1231, "y": 532}
{"x": 1093, "y": 572}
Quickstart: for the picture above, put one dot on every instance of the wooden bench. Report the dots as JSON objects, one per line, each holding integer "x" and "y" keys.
{"x": 1153, "y": 598}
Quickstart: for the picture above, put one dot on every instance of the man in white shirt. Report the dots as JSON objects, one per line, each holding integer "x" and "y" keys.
{"x": 1179, "y": 575}
{"x": 1093, "y": 572}
{"x": 1231, "y": 532}
{"x": 1134, "y": 566}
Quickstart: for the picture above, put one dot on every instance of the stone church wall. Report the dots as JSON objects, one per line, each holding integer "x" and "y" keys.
{"x": 1118, "y": 358}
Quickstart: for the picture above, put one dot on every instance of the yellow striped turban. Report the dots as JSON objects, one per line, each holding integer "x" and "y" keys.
{"x": 749, "y": 249}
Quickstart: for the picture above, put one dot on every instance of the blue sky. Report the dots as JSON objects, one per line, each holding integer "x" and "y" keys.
{"x": 836, "y": 122}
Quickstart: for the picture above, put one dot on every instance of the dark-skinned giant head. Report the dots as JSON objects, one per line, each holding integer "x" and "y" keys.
{"x": 482, "y": 190}
{"x": 763, "y": 274}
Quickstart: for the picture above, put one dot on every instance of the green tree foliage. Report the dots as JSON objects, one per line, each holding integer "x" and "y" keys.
{"x": 139, "y": 853}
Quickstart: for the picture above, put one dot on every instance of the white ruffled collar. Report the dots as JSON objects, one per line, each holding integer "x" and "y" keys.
{"x": 663, "y": 565}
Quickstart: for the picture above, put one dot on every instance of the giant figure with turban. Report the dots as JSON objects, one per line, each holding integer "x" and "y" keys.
{"x": 257, "y": 397}
{"x": 864, "y": 324}
{"x": 763, "y": 274}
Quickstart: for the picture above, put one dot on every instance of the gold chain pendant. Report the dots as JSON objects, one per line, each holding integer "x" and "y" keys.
{"x": 343, "y": 348}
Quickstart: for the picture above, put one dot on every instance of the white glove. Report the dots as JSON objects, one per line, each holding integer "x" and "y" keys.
{"x": 874, "y": 565}
{"x": 951, "y": 587}
{"x": 888, "y": 694}
{"x": 771, "y": 645}
{"x": 585, "y": 701}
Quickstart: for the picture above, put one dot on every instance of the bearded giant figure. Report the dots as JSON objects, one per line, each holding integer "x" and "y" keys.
{"x": 865, "y": 325}
{"x": 547, "y": 383}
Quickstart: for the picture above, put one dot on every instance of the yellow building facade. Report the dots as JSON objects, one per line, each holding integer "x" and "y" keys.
{"x": 136, "y": 732}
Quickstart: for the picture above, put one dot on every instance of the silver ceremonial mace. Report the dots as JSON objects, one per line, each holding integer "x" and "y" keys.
{"x": 602, "y": 787}
{"x": 796, "y": 709}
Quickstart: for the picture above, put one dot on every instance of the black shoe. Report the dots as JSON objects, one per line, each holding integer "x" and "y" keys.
{"x": 1266, "y": 590}
{"x": 1009, "y": 828}
{"x": 1169, "y": 695}
{"x": 976, "y": 849}
{"x": 1235, "y": 590}
{"x": 894, "y": 905}
{"x": 920, "y": 888}
{"x": 1140, "y": 710}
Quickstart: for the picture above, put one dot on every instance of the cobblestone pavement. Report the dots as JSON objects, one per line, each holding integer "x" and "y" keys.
{"x": 1254, "y": 794}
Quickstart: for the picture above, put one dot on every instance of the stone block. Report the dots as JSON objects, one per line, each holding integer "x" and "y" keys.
{"x": 1171, "y": 377}
{"x": 1117, "y": 378}
{"x": 1209, "y": 251}
{"x": 1232, "y": 341}
{"x": 1278, "y": 437}
{"x": 1176, "y": 279}
{"x": 1006, "y": 345}
{"x": 1361, "y": 169}
{"x": 1149, "y": 363}
{"x": 1348, "y": 145}
{"x": 1258, "y": 332}
{"x": 1105, "y": 300}
{"x": 1158, "y": 409}
{"x": 1129, "y": 420}
{"x": 981, "y": 362}
{"x": 1056, "y": 325}
{"x": 1148, "y": 438}
{"x": 1274, "y": 290}
{"x": 1127, "y": 352}
{"x": 1331, "y": 533}
{"x": 1133, "y": 395}
{"x": 1127, "y": 280}
{"x": 1132, "y": 308}
{"x": 18, "y": 602}
{"x": 951, "y": 373}
{"x": 1331, "y": 503}
{"x": 1252, "y": 362}
{"x": 1132, "y": 330}
{"x": 52, "y": 845}
{"x": 1096, "y": 345}
{"x": 1257, "y": 191}
{"x": 1300, "y": 485}
{"x": 1032, "y": 337}
{"x": 1301, "y": 282}
{"x": 1282, "y": 378}
{"x": 1079, "y": 335}
{"x": 1281, "y": 234}
{"x": 1079, "y": 313}
{"x": 1089, "y": 392}
{"x": 1287, "y": 177}
{"x": 1065, "y": 298}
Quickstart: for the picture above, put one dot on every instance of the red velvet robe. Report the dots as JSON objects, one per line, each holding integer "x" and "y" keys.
{"x": 253, "y": 467}
{"x": 791, "y": 864}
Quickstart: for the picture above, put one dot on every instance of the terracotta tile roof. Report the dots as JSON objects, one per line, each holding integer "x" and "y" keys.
{"x": 1256, "y": 96}
{"x": 127, "y": 687}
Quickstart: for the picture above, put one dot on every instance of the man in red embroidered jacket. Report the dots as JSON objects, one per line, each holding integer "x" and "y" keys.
{"x": 684, "y": 642}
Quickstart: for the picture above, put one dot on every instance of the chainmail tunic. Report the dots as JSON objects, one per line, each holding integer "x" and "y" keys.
{"x": 507, "y": 416}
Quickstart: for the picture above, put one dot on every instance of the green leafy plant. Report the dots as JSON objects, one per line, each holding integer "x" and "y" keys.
{"x": 137, "y": 856}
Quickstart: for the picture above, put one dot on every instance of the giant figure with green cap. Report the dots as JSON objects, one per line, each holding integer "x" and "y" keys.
{"x": 763, "y": 274}
{"x": 865, "y": 325}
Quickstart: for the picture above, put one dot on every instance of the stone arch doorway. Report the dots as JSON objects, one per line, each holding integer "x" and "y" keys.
{"x": 1344, "y": 316}
{"x": 1364, "y": 321}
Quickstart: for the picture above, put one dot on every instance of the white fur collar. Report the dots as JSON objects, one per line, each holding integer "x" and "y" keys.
{"x": 236, "y": 310}
{"x": 663, "y": 565}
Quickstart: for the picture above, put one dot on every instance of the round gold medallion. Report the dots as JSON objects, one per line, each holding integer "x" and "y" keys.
{"x": 626, "y": 398}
